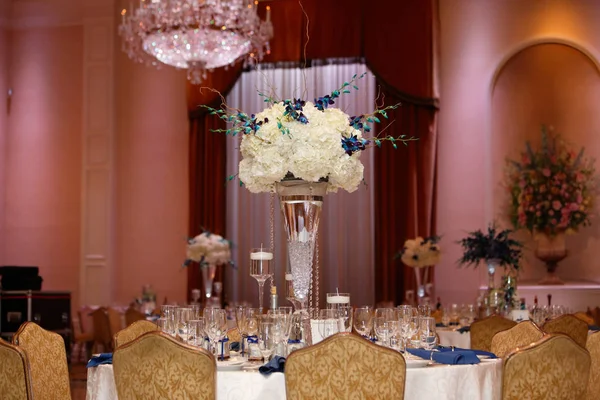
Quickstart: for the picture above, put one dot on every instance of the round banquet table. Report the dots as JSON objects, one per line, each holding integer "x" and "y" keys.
{"x": 482, "y": 381}
{"x": 451, "y": 337}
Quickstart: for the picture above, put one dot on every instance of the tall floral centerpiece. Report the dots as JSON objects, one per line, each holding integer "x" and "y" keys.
{"x": 302, "y": 150}
{"x": 208, "y": 250}
{"x": 420, "y": 254}
{"x": 494, "y": 248}
{"x": 551, "y": 194}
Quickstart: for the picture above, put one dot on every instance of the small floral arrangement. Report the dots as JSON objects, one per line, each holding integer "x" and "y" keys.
{"x": 491, "y": 246}
{"x": 551, "y": 189}
{"x": 421, "y": 252}
{"x": 208, "y": 248}
{"x": 312, "y": 141}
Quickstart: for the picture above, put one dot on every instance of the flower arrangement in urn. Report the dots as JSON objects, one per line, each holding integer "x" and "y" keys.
{"x": 551, "y": 193}
{"x": 299, "y": 139}
{"x": 208, "y": 250}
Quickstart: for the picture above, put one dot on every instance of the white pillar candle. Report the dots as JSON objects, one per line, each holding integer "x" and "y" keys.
{"x": 338, "y": 299}
{"x": 261, "y": 255}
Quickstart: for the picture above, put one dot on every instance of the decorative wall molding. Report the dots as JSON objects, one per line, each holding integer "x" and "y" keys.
{"x": 98, "y": 175}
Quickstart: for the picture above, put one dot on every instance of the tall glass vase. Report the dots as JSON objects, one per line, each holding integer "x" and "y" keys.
{"x": 208, "y": 276}
{"x": 301, "y": 204}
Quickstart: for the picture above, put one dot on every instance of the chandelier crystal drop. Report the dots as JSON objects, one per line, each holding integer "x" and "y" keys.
{"x": 197, "y": 35}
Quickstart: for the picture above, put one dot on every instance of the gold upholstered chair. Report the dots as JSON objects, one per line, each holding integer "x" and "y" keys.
{"x": 48, "y": 361}
{"x": 133, "y": 331}
{"x": 585, "y": 317}
{"x": 483, "y": 331}
{"x": 345, "y": 366}
{"x": 569, "y": 325}
{"x": 156, "y": 366}
{"x": 520, "y": 335}
{"x": 593, "y": 347}
{"x": 15, "y": 377}
{"x": 102, "y": 335}
{"x": 553, "y": 368}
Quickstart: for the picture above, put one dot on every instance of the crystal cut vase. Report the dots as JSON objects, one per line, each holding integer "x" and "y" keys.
{"x": 301, "y": 204}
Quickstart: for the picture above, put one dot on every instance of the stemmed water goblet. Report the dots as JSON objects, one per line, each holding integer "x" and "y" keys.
{"x": 215, "y": 320}
{"x": 242, "y": 325}
{"x": 266, "y": 339}
{"x": 168, "y": 313}
{"x": 196, "y": 332}
{"x": 329, "y": 323}
{"x": 363, "y": 321}
{"x": 182, "y": 316}
{"x": 261, "y": 269}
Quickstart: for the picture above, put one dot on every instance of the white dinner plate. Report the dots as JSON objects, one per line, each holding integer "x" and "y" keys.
{"x": 230, "y": 365}
{"x": 410, "y": 363}
{"x": 483, "y": 357}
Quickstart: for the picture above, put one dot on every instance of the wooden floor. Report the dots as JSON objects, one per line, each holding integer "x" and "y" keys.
{"x": 78, "y": 381}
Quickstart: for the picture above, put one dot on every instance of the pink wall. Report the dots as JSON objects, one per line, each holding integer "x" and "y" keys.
{"x": 43, "y": 155}
{"x": 152, "y": 181}
{"x": 4, "y": 51}
{"x": 476, "y": 38}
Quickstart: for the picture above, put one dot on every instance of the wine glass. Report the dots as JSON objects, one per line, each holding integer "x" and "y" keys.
{"x": 196, "y": 332}
{"x": 168, "y": 313}
{"x": 428, "y": 337}
{"x": 363, "y": 321}
{"x": 261, "y": 269}
{"x": 329, "y": 323}
{"x": 215, "y": 320}
{"x": 289, "y": 291}
{"x": 242, "y": 324}
{"x": 345, "y": 314}
{"x": 182, "y": 316}
{"x": 266, "y": 339}
{"x": 382, "y": 329}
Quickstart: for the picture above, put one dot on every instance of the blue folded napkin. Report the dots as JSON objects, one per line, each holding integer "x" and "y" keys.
{"x": 594, "y": 328}
{"x": 446, "y": 357}
{"x": 277, "y": 364}
{"x": 464, "y": 329}
{"x": 234, "y": 346}
{"x": 102, "y": 358}
{"x": 477, "y": 352}
{"x": 440, "y": 325}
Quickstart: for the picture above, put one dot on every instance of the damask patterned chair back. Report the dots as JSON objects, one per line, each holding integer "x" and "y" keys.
{"x": 593, "y": 347}
{"x": 156, "y": 366}
{"x": 134, "y": 331}
{"x": 234, "y": 335}
{"x": 520, "y": 335}
{"x": 585, "y": 317}
{"x": 569, "y": 325}
{"x": 102, "y": 335}
{"x": 48, "y": 361}
{"x": 15, "y": 376}
{"x": 483, "y": 331}
{"x": 345, "y": 366}
{"x": 553, "y": 368}
{"x": 132, "y": 315}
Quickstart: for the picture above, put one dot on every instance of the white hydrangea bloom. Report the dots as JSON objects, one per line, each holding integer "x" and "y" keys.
{"x": 209, "y": 248}
{"x": 309, "y": 151}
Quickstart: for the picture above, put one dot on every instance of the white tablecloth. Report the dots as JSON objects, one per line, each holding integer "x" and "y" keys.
{"x": 441, "y": 382}
{"x": 449, "y": 337}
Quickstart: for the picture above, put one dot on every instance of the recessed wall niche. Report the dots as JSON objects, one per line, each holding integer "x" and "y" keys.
{"x": 557, "y": 85}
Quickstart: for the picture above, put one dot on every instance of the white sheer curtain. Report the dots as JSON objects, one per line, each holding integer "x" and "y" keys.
{"x": 346, "y": 231}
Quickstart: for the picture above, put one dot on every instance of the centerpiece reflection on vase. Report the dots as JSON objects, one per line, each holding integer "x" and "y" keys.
{"x": 552, "y": 191}
{"x": 495, "y": 248}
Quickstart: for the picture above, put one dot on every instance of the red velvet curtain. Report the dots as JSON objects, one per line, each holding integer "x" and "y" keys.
{"x": 404, "y": 194}
{"x": 397, "y": 40}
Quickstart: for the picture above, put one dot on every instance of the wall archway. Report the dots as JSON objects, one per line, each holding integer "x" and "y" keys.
{"x": 552, "y": 82}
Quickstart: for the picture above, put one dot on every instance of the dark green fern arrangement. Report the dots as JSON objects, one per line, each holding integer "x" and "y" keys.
{"x": 493, "y": 245}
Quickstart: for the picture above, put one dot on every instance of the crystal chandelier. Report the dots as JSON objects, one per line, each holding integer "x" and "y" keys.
{"x": 197, "y": 35}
